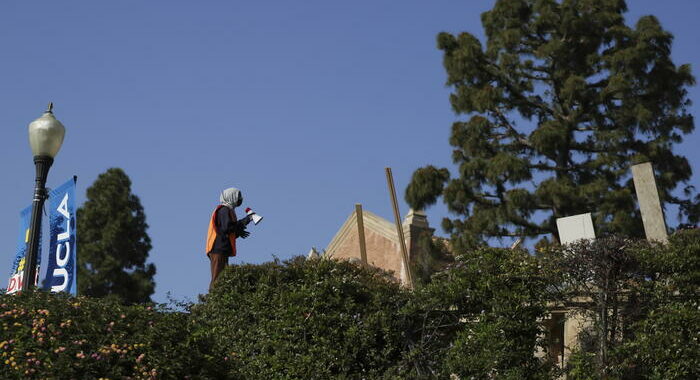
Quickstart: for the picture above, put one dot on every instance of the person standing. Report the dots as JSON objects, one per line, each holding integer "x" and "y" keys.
{"x": 224, "y": 229}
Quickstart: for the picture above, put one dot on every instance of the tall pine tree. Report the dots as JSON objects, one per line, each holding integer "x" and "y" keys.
{"x": 563, "y": 98}
{"x": 113, "y": 243}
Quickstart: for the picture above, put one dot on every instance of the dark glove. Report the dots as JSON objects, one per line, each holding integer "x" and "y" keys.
{"x": 240, "y": 229}
{"x": 246, "y": 220}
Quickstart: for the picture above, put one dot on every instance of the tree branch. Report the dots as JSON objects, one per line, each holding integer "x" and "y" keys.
{"x": 514, "y": 133}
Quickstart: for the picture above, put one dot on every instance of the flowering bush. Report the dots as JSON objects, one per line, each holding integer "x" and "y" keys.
{"x": 48, "y": 335}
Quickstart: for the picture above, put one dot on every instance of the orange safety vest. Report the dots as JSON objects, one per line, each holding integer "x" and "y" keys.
{"x": 212, "y": 234}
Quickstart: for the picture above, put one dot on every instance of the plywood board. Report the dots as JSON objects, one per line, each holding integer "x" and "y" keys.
{"x": 574, "y": 228}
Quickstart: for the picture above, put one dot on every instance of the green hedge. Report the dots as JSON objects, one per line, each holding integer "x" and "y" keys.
{"x": 54, "y": 336}
{"x": 323, "y": 319}
{"x": 298, "y": 319}
{"x": 316, "y": 319}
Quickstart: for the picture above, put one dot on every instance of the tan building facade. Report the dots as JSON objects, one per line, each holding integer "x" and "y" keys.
{"x": 563, "y": 327}
{"x": 381, "y": 238}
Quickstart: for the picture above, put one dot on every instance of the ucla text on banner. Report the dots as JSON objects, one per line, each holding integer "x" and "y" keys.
{"x": 61, "y": 269}
{"x": 15, "y": 283}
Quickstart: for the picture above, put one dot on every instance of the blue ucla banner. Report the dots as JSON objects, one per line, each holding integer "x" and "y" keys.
{"x": 15, "y": 283}
{"x": 62, "y": 266}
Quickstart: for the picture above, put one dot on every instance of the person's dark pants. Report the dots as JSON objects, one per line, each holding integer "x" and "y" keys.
{"x": 218, "y": 263}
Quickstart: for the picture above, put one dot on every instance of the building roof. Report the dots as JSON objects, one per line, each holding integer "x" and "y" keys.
{"x": 371, "y": 222}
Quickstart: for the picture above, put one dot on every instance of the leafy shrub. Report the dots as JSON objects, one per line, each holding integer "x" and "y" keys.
{"x": 310, "y": 319}
{"x": 51, "y": 335}
{"x": 480, "y": 317}
{"x": 599, "y": 282}
{"x": 665, "y": 343}
{"x": 641, "y": 299}
{"x": 675, "y": 267}
{"x": 322, "y": 319}
{"x": 581, "y": 366}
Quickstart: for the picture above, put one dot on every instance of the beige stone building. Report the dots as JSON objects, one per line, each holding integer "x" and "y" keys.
{"x": 383, "y": 247}
{"x": 564, "y": 326}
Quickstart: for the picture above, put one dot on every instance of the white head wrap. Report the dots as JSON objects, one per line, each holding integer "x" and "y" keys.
{"x": 231, "y": 197}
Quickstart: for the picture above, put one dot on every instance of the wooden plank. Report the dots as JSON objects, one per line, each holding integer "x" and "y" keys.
{"x": 361, "y": 233}
{"x": 399, "y": 229}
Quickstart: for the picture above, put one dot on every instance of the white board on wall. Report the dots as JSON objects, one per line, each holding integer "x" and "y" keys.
{"x": 576, "y": 227}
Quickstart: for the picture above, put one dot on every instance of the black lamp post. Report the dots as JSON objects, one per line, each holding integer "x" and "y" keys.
{"x": 45, "y": 137}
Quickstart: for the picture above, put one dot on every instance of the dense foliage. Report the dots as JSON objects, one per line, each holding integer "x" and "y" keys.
{"x": 599, "y": 281}
{"x": 482, "y": 317}
{"x": 53, "y": 336}
{"x": 665, "y": 343}
{"x": 316, "y": 319}
{"x": 561, "y": 99}
{"x": 641, "y": 301}
{"x": 113, "y": 242}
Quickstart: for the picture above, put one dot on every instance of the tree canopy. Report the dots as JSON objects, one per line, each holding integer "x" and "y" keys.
{"x": 558, "y": 103}
{"x": 113, "y": 242}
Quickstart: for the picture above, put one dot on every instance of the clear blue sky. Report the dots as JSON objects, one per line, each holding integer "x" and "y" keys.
{"x": 299, "y": 104}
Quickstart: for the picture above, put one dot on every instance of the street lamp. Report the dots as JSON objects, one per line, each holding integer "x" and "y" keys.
{"x": 45, "y": 137}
